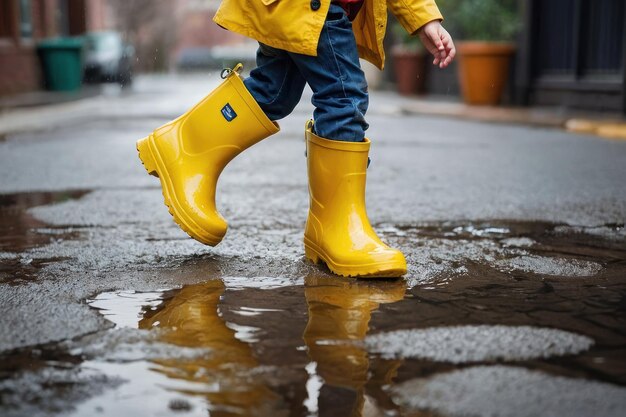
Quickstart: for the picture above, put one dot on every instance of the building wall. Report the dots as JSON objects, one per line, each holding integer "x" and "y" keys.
{"x": 19, "y": 64}
{"x": 44, "y": 18}
{"x": 19, "y": 67}
{"x": 19, "y": 70}
{"x": 98, "y": 16}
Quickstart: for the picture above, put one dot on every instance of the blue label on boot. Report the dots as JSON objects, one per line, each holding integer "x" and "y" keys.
{"x": 228, "y": 112}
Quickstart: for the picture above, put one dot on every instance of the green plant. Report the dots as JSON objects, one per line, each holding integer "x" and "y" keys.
{"x": 485, "y": 20}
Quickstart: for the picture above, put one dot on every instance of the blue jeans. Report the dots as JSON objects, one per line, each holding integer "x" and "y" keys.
{"x": 335, "y": 76}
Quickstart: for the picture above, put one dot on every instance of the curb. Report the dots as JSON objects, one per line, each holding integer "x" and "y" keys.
{"x": 609, "y": 126}
{"x": 608, "y": 129}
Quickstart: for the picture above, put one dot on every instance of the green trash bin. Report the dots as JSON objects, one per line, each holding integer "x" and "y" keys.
{"x": 62, "y": 63}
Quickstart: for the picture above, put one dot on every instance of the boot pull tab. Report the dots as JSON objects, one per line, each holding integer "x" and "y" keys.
{"x": 227, "y": 72}
{"x": 307, "y": 126}
{"x": 369, "y": 161}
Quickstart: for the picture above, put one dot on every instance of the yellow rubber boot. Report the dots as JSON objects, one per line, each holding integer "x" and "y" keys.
{"x": 189, "y": 153}
{"x": 338, "y": 231}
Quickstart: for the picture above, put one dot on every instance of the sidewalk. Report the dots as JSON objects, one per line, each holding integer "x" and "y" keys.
{"x": 45, "y": 98}
{"x": 606, "y": 125}
{"x": 42, "y": 111}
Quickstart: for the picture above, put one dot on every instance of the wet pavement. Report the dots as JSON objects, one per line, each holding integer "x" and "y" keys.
{"x": 514, "y": 304}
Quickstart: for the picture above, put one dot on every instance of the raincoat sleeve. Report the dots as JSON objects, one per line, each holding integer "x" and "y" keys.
{"x": 413, "y": 14}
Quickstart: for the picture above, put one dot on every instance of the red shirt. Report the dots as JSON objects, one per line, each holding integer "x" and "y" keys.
{"x": 351, "y": 7}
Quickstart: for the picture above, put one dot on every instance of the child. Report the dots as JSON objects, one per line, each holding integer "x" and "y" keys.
{"x": 301, "y": 41}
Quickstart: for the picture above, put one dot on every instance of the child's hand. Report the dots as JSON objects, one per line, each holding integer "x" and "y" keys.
{"x": 438, "y": 42}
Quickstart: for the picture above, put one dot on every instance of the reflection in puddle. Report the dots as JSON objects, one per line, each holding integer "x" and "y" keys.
{"x": 144, "y": 392}
{"x": 125, "y": 308}
{"x": 221, "y": 380}
{"x": 249, "y": 311}
{"x": 340, "y": 311}
{"x": 224, "y": 377}
{"x": 228, "y": 378}
{"x": 262, "y": 283}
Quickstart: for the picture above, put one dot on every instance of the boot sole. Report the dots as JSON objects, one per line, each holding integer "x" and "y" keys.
{"x": 376, "y": 270}
{"x": 150, "y": 158}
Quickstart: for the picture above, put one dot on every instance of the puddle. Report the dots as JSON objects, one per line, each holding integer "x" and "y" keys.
{"x": 20, "y": 231}
{"x": 442, "y": 251}
{"x": 221, "y": 348}
{"x": 342, "y": 347}
{"x": 479, "y": 231}
{"x": 223, "y": 377}
{"x": 125, "y": 308}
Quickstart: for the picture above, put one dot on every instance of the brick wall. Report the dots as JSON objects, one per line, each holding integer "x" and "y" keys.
{"x": 98, "y": 16}
{"x": 19, "y": 70}
{"x": 19, "y": 65}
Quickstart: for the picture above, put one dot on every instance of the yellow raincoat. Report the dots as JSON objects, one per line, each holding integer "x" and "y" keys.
{"x": 295, "y": 25}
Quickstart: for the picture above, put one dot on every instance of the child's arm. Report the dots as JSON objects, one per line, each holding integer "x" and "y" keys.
{"x": 438, "y": 42}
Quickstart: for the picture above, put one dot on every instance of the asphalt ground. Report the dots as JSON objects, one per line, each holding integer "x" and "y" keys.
{"x": 517, "y": 273}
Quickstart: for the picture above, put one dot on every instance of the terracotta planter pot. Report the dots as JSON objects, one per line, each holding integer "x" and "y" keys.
{"x": 409, "y": 68}
{"x": 484, "y": 70}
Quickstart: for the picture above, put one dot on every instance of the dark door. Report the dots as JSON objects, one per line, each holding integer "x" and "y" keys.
{"x": 575, "y": 53}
